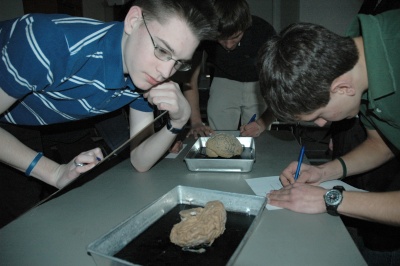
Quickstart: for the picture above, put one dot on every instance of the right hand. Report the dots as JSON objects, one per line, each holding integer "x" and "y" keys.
{"x": 70, "y": 171}
{"x": 200, "y": 130}
{"x": 308, "y": 174}
{"x": 168, "y": 96}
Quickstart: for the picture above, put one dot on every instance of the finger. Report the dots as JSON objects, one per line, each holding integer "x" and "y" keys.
{"x": 88, "y": 158}
{"x": 99, "y": 154}
{"x": 203, "y": 133}
{"x": 285, "y": 181}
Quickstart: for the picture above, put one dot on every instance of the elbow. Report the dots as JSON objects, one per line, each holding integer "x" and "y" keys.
{"x": 140, "y": 168}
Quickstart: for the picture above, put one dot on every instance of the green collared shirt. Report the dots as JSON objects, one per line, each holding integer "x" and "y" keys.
{"x": 380, "y": 104}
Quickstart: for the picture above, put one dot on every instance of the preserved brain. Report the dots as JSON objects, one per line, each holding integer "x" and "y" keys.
{"x": 199, "y": 226}
{"x": 223, "y": 145}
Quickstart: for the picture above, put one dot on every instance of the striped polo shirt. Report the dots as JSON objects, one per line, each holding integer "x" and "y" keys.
{"x": 63, "y": 68}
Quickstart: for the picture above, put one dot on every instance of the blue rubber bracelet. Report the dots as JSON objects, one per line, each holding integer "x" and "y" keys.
{"x": 33, "y": 164}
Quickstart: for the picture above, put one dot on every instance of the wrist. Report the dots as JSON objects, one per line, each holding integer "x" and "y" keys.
{"x": 261, "y": 125}
{"x": 196, "y": 121}
{"x": 344, "y": 168}
{"x": 33, "y": 163}
{"x": 199, "y": 124}
{"x": 174, "y": 129}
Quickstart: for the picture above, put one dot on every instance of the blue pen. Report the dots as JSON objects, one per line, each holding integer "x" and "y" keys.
{"x": 301, "y": 155}
{"x": 252, "y": 119}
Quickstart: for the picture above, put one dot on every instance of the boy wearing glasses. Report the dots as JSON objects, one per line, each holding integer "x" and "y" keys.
{"x": 57, "y": 69}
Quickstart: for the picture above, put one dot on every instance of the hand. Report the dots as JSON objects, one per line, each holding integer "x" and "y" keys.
{"x": 252, "y": 129}
{"x": 80, "y": 164}
{"x": 176, "y": 147}
{"x": 168, "y": 96}
{"x": 299, "y": 197}
{"x": 308, "y": 174}
{"x": 200, "y": 130}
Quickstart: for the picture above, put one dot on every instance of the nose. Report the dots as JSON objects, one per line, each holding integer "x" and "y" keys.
{"x": 229, "y": 44}
{"x": 166, "y": 68}
{"x": 320, "y": 122}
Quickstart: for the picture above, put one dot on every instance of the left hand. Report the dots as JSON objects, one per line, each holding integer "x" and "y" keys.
{"x": 176, "y": 147}
{"x": 68, "y": 172}
{"x": 168, "y": 96}
{"x": 251, "y": 130}
{"x": 299, "y": 197}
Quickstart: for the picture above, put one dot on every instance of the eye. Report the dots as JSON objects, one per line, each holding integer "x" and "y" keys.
{"x": 164, "y": 53}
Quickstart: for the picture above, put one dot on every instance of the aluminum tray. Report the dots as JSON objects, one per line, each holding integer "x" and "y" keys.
{"x": 104, "y": 249}
{"x": 196, "y": 160}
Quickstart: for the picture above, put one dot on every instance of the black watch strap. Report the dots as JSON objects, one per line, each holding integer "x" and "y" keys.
{"x": 172, "y": 129}
{"x": 332, "y": 209}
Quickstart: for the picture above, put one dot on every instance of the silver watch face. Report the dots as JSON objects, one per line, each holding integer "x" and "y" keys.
{"x": 333, "y": 197}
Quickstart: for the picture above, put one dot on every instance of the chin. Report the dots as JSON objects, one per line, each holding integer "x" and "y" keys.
{"x": 141, "y": 83}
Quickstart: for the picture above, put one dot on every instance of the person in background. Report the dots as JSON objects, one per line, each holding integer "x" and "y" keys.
{"x": 57, "y": 69}
{"x": 311, "y": 74}
{"x": 234, "y": 95}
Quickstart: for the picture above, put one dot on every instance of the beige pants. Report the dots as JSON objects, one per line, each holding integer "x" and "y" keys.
{"x": 233, "y": 103}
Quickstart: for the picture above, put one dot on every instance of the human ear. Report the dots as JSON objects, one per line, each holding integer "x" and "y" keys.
{"x": 343, "y": 88}
{"x": 344, "y": 84}
{"x": 131, "y": 19}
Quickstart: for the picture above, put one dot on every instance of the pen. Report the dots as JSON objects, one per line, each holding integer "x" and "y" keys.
{"x": 252, "y": 119}
{"x": 301, "y": 155}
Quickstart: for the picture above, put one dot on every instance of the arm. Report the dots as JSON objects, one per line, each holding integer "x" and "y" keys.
{"x": 17, "y": 155}
{"x": 370, "y": 154}
{"x": 191, "y": 93}
{"x": 304, "y": 196}
{"x": 378, "y": 207}
{"x": 255, "y": 128}
{"x": 148, "y": 148}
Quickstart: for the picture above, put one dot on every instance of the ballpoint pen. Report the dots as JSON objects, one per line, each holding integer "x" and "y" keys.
{"x": 301, "y": 155}
{"x": 252, "y": 119}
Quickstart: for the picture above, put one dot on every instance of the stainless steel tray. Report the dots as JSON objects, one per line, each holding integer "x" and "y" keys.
{"x": 104, "y": 249}
{"x": 196, "y": 160}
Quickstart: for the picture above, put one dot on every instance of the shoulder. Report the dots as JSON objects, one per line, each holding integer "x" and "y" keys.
{"x": 208, "y": 45}
{"x": 260, "y": 22}
{"x": 260, "y": 25}
{"x": 39, "y": 20}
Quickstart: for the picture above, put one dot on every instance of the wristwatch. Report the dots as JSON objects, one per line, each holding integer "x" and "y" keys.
{"x": 332, "y": 199}
{"x": 172, "y": 129}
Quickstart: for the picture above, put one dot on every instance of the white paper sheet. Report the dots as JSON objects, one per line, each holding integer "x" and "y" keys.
{"x": 263, "y": 185}
{"x": 174, "y": 155}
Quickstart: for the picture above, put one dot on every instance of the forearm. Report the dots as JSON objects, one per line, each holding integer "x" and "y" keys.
{"x": 191, "y": 92}
{"x": 370, "y": 154}
{"x": 145, "y": 155}
{"x": 19, "y": 156}
{"x": 266, "y": 119}
{"x": 378, "y": 207}
{"x": 192, "y": 96}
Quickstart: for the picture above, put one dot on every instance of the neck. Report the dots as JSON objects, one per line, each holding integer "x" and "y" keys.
{"x": 361, "y": 67}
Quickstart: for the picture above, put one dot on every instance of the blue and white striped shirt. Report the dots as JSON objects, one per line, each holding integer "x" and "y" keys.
{"x": 63, "y": 68}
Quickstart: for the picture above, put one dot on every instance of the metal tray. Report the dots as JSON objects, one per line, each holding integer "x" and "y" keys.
{"x": 196, "y": 160}
{"x": 105, "y": 249}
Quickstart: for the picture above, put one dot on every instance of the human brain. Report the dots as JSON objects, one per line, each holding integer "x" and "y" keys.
{"x": 199, "y": 226}
{"x": 223, "y": 145}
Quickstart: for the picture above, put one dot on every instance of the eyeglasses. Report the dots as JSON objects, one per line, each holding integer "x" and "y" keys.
{"x": 165, "y": 55}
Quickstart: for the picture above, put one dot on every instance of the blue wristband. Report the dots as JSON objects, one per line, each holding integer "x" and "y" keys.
{"x": 33, "y": 164}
